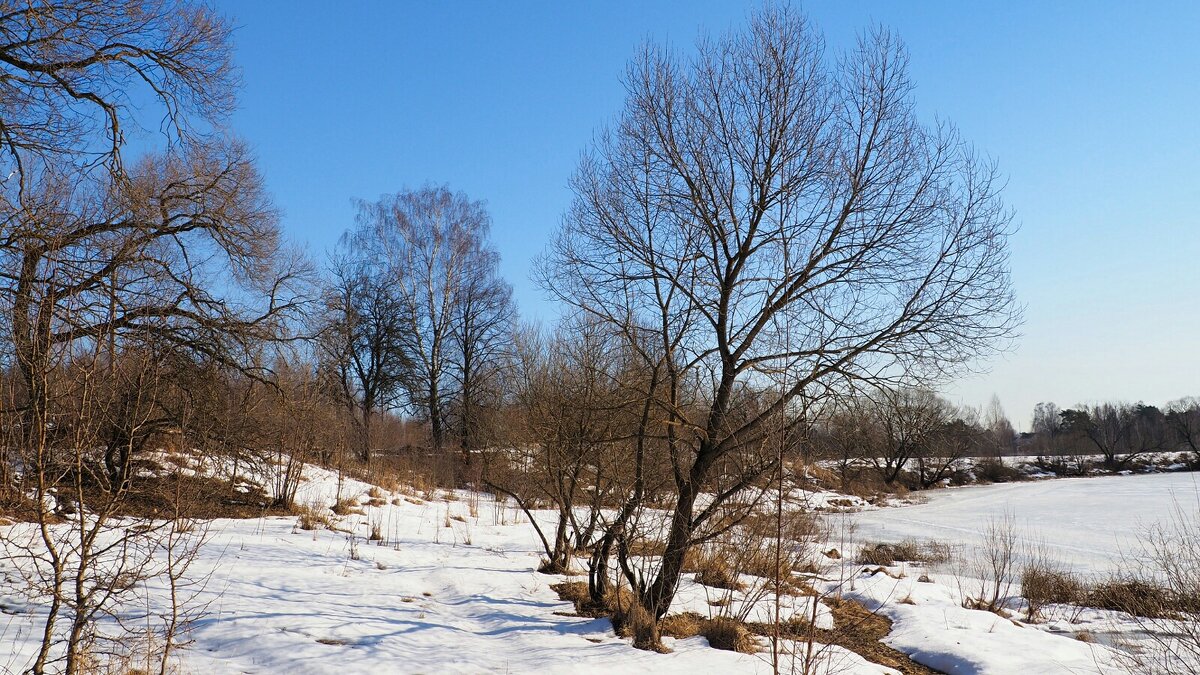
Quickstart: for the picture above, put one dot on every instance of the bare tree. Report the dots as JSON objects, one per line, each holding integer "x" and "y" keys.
{"x": 565, "y": 428}
{"x": 361, "y": 344}
{"x": 1183, "y": 420}
{"x": 484, "y": 325}
{"x": 1119, "y": 432}
{"x": 113, "y": 275}
{"x": 957, "y": 437}
{"x": 998, "y": 426}
{"x": 431, "y": 246}
{"x": 759, "y": 209}
{"x": 1046, "y": 419}
{"x": 908, "y": 420}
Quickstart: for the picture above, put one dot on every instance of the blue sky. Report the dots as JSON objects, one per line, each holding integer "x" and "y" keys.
{"x": 1091, "y": 109}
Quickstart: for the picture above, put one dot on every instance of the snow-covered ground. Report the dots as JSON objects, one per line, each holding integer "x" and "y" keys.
{"x": 452, "y": 589}
{"x": 1088, "y": 524}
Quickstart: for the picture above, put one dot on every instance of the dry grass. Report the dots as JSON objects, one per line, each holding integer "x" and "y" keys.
{"x": 1136, "y": 597}
{"x": 633, "y": 621}
{"x": 681, "y": 626}
{"x": 345, "y": 506}
{"x": 1042, "y": 584}
{"x": 926, "y": 552}
{"x": 714, "y": 570}
{"x": 312, "y": 517}
{"x": 643, "y": 547}
{"x": 729, "y": 634}
{"x": 856, "y": 629}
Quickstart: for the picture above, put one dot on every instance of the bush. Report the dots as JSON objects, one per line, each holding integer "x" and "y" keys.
{"x": 1043, "y": 585}
{"x": 1132, "y": 596}
{"x": 729, "y": 634}
{"x": 993, "y": 565}
{"x": 929, "y": 552}
{"x": 996, "y": 471}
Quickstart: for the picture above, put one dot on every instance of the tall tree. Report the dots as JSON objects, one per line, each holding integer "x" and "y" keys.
{"x": 484, "y": 325}
{"x": 431, "y": 246}
{"x": 1183, "y": 420}
{"x": 362, "y": 345}
{"x": 761, "y": 214}
{"x": 998, "y": 426}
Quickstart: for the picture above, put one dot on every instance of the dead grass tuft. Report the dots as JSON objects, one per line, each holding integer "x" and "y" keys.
{"x": 311, "y": 517}
{"x": 729, "y": 634}
{"x": 681, "y": 626}
{"x": 713, "y": 570}
{"x": 925, "y": 552}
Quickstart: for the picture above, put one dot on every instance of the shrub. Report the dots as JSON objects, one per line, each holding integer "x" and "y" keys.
{"x": 1132, "y": 596}
{"x": 993, "y": 565}
{"x": 996, "y": 471}
{"x": 1043, "y": 585}
{"x": 729, "y": 634}
{"x": 714, "y": 571}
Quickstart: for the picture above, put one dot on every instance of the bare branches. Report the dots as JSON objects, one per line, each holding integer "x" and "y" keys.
{"x": 72, "y": 71}
{"x": 761, "y": 210}
{"x": 430, "y": 249}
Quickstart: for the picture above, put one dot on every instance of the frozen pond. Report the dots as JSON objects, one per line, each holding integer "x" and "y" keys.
{"x": 1086, "y": 523}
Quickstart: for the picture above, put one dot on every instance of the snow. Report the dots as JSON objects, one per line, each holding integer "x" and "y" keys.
{"x": 930, "y": 625}
{"x": 1088, "y": 524}
{"x": 453, "y": 590}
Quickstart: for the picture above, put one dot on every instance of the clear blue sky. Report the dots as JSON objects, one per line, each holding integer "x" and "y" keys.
{"x": 1091, "y": 108}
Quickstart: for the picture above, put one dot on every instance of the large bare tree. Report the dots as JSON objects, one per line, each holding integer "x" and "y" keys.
{"x": 764, "y": 213}
{"x": 484, "y": 326}
{"x": 431, "y": 246}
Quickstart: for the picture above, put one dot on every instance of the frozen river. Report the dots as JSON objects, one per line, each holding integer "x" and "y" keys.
{"x": 1086, "y": 523}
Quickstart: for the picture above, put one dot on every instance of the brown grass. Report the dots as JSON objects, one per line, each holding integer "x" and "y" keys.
{"x": 681, "y": 626}
{"x": 926, "y": 552}
{"x": 310, "y": 517}
{"x": 855, "y": 628}
{"x": 1043, "y": 585}
{"x": 1137, "y": 597}
{"x": 642, "y": 547}
{"x": 729, "y": 634}
{"x": 714, "y": 571}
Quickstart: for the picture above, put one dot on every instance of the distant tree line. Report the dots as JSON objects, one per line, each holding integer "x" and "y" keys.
{"x": 1119, "y": 433}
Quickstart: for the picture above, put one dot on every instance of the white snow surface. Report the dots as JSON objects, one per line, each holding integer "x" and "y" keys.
{"x": 1088, "y": 524}
{"x": 465, "y": 598}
